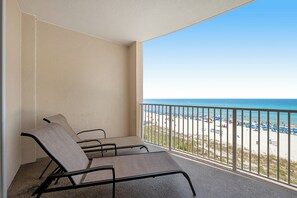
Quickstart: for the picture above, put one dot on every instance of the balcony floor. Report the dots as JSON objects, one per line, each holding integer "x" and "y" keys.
{"x": 208, "y": 181}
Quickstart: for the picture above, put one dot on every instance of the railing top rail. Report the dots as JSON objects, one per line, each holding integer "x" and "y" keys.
{"x": 229, "y": 108}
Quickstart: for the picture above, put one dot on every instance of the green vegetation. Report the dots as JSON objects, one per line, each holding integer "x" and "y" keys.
{"x": 221, "y": 153}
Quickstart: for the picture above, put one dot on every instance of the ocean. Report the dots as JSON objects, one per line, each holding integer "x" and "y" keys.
{"x": 285, "y": 104}
{"x": 282, "y": 104}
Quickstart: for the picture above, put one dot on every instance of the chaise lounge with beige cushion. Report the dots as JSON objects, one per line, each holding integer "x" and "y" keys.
{"x": 89, "y": 144}
{"x": 83, "y": 172}
{"x": 98, "y": 144}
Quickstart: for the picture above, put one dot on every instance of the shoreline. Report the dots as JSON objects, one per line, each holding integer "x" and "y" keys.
{"x": 180, "y": 125}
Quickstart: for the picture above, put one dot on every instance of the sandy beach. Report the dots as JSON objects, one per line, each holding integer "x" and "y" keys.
{"x": 189, "y": 126}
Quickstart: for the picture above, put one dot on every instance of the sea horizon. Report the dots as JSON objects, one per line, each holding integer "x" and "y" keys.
{"x": 261, "y": 103}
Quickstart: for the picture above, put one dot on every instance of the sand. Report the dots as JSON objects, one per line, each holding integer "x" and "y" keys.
{"x": 188, "y": 125}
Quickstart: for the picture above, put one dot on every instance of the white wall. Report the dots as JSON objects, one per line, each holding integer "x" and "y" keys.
{"x": 13, "y": 89}
{"x": 82, "y": 77}
{"x": 29, "y": 113}
{"x": 53, "y": 70}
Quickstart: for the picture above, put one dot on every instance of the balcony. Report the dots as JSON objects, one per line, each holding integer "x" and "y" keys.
{"x": 255, "y": 141}
{"x": 208, "y": 180}
{"x": 84, "y": 60}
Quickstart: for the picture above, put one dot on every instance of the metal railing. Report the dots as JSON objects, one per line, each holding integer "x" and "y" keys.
{"x": 258, "y": 141}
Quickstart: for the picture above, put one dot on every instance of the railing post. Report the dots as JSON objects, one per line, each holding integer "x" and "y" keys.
{"x": 141, "y": 125}
{"x": 170, "y": 126}
{"x": 234, "y": 142}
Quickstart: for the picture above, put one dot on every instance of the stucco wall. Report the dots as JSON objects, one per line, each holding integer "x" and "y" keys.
{"x": 53, "y": 70}
{"x": 28, "y": 85}
{"x": 84, "y": 78}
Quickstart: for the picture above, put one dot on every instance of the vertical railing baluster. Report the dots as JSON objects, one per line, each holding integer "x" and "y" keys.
{"x": 268, "y": 143}
{"x": 259, "y": 142}
{"x": 170, "y": 127}
{"x": 234, "y": 142}
{"x": 148, "y": 123}
{"x": 192, "y": 130}
{"x": 289, "y": 148}
{"x": 174, "y": 134}
{"x": 188, "y": 126}
{"x": 197, "y": 131}
{"x": 183, "y": 128}
{"x": 149, "y": 120}
{"x": 214, "y": 134}
{"x": 202, "y": 132}
{"x": 159, "y": 123}
{"x": 227, "y": 135}
{"x": 162, "y": 142}
{"x": 155, "y": 137}
{"x": 151, "y": 123}
{"x": 221, "y": 134}
{"x": 278, "y": 117}
{"x": 242, "y": 139}
{"x": 208, "y": 140}
{"x": 166, "y": 126}
{"x": 250, "y": 142}
{"x": 178, "y": 128}
{"x": 187, "y": 129}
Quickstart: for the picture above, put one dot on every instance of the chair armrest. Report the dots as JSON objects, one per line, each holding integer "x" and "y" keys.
{"x": 101, "y": 146}
{"x": 88, "y": 140}
{"x": 79, "y": 172}
{"x": 92, "y": 130}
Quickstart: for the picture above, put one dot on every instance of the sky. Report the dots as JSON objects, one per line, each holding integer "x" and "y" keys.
{"x": 250, "y": 52}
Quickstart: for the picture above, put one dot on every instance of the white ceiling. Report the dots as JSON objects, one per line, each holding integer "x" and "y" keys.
{"x": 125, "y": 21}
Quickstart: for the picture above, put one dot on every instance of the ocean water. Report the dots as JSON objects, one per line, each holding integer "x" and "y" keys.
{"x": 281, "y": 104}
{"x": 285, "y": 104}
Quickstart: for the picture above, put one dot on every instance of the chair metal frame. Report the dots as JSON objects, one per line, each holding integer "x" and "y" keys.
{"x": 60, "y": 172}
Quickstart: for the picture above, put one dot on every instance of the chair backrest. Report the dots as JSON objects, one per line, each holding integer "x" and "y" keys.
{"x": 60, "y": 119}
{"x": 56, "y": 142}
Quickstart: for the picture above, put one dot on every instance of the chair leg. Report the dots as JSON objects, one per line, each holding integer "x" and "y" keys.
{"x": 113, "y": 183}
{"x": 57, "y": 180}
{"x": 190, "y": 183}
{"x": 38, "y": 195}
{"x": 45, "y": 169}
{"x": 38, "y": 192}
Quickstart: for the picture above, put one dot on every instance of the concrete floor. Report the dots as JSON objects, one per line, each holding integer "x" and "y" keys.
{"x": 208, "y": 181}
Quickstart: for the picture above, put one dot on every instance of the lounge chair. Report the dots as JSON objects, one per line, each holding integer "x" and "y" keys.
{"x": 120, "y": 142}
{"x": 95, "y": 145}
{"x": 83, "y": 172}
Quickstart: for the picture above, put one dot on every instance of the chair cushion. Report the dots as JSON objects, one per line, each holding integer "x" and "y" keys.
{"x": 123, "y": 141}
{"x": 60, "y": 119}
{"x": 132, "y": 165}
{"x": 61, "y": 147}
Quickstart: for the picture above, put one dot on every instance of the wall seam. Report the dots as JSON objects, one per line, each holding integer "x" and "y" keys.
{"x": 3, "y": 80}
{"x": 35, "y": 70}
{"x": 21, "y": 69}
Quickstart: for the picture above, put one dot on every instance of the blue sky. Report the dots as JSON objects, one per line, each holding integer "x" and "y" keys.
{"x": 250, "y": 52}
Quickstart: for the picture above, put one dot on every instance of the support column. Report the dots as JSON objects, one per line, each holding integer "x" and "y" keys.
{"x": 135, "y": 87}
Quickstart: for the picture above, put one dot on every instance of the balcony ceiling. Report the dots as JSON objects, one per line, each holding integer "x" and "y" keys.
{"x": 125, "y": 21}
